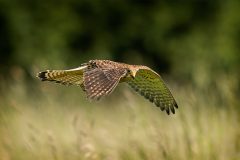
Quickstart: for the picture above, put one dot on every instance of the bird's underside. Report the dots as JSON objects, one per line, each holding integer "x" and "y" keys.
{"x": 99, "y": 78}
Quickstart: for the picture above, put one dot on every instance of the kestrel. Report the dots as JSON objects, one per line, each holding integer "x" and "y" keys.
{"x": 99, "y": 78}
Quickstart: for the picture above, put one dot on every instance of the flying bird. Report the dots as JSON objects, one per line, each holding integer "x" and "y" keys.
{"x": 99, "y": 78}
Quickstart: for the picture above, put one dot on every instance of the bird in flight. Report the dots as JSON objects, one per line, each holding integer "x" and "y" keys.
{"x": 99, "y": 78}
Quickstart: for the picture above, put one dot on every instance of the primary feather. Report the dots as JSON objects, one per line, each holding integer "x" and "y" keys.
{"x": 151, "y": 86}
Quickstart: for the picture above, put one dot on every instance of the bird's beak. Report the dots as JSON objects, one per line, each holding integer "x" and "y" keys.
{"x": 134, "y": 72}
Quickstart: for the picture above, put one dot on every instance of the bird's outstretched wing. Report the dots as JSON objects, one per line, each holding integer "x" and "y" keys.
{"x": 99, "y": 82}
{"x": 66, "y": 77}
{"x": 150, "y": 85}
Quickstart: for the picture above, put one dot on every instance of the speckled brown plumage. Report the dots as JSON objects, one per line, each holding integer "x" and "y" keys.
{"x": 98, "y": 78}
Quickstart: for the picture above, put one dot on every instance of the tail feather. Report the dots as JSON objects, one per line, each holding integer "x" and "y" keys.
{"x": 42, "y": 75}
{"x": 51, "y": 75}
{"x": 65, "y": 77}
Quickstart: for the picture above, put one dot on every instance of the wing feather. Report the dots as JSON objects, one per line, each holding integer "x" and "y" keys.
{"x": 100, "y": 82}
{"x": 150, "y": 85}
{"x": 105, "y": 89}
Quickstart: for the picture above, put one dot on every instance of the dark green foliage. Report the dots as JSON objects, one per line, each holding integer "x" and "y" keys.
{"x": 157, "y": 33}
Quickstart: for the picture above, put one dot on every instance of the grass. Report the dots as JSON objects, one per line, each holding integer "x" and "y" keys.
{"x": 48, "y": 121}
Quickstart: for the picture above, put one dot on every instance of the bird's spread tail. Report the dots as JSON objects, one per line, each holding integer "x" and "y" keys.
{"x": 50, "y": 75}
{"x": 66, "y": 77}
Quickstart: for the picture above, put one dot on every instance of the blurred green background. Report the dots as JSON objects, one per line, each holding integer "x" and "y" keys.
{"x": 193, "y": 44}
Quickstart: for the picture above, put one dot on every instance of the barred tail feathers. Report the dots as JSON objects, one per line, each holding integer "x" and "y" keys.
{"x": 51, "y": 75}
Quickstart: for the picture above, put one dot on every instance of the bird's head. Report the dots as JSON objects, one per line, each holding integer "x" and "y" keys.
{"x": 133, "y": 72}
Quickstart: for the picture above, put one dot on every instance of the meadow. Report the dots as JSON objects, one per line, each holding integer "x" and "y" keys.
{"x": 50, "y": 121}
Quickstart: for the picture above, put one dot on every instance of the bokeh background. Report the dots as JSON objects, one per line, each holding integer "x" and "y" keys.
{"x": 193, "y": 44}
